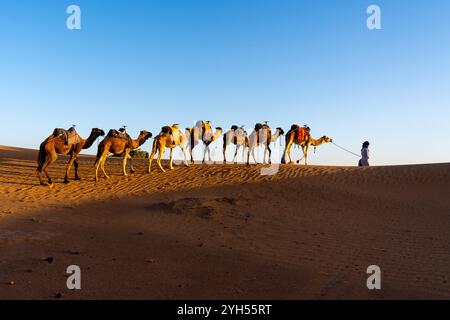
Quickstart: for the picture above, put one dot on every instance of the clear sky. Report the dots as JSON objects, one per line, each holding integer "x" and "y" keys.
{"x": 150, "y": 63}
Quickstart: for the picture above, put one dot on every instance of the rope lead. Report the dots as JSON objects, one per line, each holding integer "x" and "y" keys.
{"x": 356, "y": 155}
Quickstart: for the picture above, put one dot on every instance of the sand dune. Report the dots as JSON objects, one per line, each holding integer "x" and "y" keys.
{"x": 224, "y": 231}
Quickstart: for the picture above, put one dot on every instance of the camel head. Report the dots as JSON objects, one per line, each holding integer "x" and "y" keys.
{"x": 97, "y": 132}
{"x": 145, "y": 135}
{"x": 327, "y": 139}
{"x": 217, "y": 133}
{"x": 281, "y": 131}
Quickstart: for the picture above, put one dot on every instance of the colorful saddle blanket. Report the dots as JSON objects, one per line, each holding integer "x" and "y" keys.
{"x": 301, "y": 133}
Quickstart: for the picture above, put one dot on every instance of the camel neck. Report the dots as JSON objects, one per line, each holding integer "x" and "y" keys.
{"x": 87, "y": 143}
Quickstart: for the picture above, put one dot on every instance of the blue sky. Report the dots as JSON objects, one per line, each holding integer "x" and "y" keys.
{"x": 150, "y": 63}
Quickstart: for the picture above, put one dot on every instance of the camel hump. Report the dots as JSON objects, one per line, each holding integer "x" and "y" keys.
{"x": 295, "y": 127}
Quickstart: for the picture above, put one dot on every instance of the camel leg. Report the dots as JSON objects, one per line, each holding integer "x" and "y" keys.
{"x": 124, "y": 162}
{"x": 306, "y": 155}
{"x": 243, "y": 153}
{"x": 253, "y": 155}
{"x": 289, "y": 147}
{"x": 51, "y": 157}
{"x": 235, "y": 153}
{"x": 224, "y": 151}
{"x": 39, "y": 171}
{"x": 152, "y": 156}
{"x": 209, "y": 154}
{"x": 285, "y": 153}
{"x": 158, "y": 160}
{"x": 184, "y": 154}
{"x": 40, "y": 178}
{"x": 264, "y": 154}
{"x": 103, "y": 166}
{"x": 69, "y": 166}
{"x": 270, "y": 154}
{"x": 97, "y": 165}
{"x": 303, "y": 156}
{"x": 191, "y": 149}
{"x": 204, "y": 153}
{"x": 131, "y": 166}
{"x": 100, "y": 163}
{"x": 171, "y": 159}
{"x": 75, "y": 163}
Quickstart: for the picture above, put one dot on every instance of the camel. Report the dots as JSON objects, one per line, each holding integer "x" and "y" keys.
{"x": 170, "y": 137}
{"x": 262, "y": 135}
{"x": 118, "y": 145}
{"x": 305, "y": 142}
{"x": 237, "y": 136}
{"x": 203, "y": 131}
{"x": 54, "y": 145}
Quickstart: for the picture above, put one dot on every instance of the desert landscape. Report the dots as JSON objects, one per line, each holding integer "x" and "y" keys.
{"x": 224, "y": 231}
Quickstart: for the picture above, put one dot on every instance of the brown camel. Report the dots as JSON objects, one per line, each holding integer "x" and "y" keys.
{"x": 203, "y": 132}
{"x": 118, "y": 145}
{"x": 170, "y": 137}
{"x": 237, "y": 136}
{"x": 54, "y": 145}
{"x": 262, "y": 135}
{"x": 304, "y": 141}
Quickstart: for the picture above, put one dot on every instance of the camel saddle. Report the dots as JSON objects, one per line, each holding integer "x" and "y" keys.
{"x": 206, "y": 127}
{"x": 258, "y": 127}
{"x": 121, "y": 133}
{"x": 235, "y": 136}
{"x": 167, "y": 129}
{"x": 300, "y": 132}
{"x": 69, "y": 136}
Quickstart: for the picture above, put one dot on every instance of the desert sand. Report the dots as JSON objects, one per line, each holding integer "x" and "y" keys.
{"x": 224, "y": 231}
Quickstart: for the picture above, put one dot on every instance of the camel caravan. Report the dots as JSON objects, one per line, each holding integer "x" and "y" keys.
{"x": 119, "y": 143}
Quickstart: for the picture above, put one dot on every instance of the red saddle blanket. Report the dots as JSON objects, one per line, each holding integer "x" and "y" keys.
{"x": 300, "y": 133}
